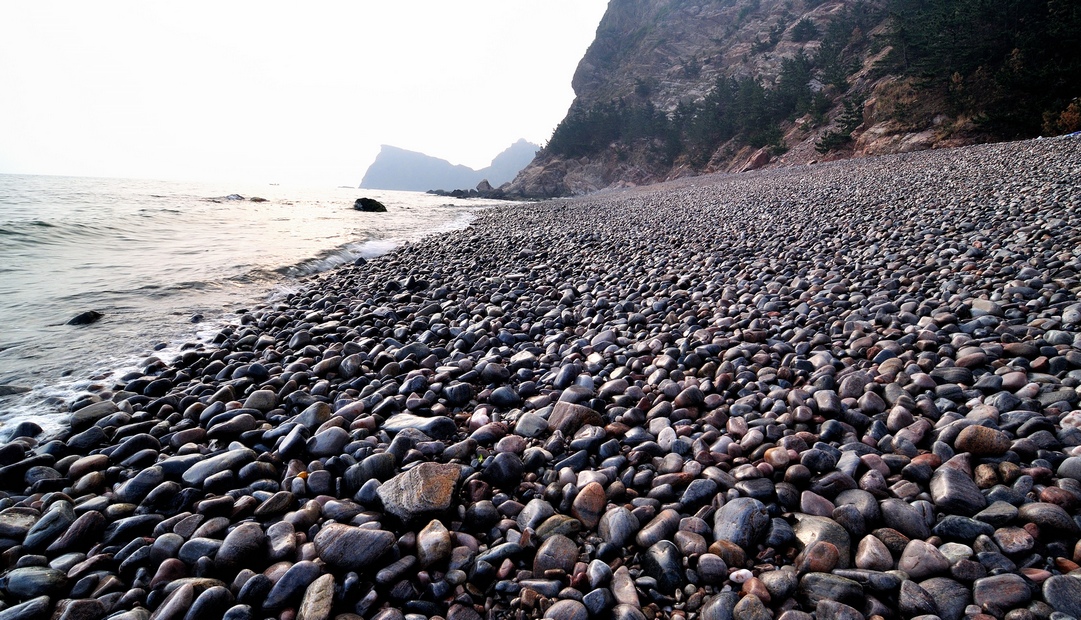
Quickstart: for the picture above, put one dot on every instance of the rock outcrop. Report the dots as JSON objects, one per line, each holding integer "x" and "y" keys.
{"x": 663, "y": 59}
{"x": 369, "y": 205}
{"x": 398, "y": 169}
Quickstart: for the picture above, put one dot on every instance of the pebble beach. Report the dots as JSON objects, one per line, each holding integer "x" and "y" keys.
{"x": 832, "y": 392}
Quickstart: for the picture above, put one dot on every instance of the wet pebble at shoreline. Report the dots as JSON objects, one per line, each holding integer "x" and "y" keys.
{"x": 840, "y": 392}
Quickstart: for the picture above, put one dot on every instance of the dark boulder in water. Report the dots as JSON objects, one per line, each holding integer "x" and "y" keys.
{"x": 85, "y": 318}
{"x": 369, "y": 205}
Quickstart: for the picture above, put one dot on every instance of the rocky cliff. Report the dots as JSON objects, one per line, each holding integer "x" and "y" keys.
{"x": 399, "y": 169}
{"x": 673, "y": 88}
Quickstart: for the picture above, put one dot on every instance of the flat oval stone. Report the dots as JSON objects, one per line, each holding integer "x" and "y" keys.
{"x": 276, "y": 504}
{"x": 921, "y": 560}
{"x": 213, "y": 602}
{"x": 352, "y": 548}
{"x": 720, "y": 606}
{"x": 661, "y": 527}
{"x": 438, "y": 427}
{"x": 530, "y": 425}
{"x": 34, "y": 608}
{"x": 133, "y": 491}
{"x": 199, "y": 472}
{"x": 86, "y": 416}
{"x": 617, "y": 526}
{"x": 568, "y": 417}
{"x": 953, "y": 491}
{"x": 198, "y": 547}
{"x": 982, "y": 441}
{"x": 956, "y": 527}
{"x": 567, "y": 609}
{"x": 504, "y": 471}
{"x": 328, "y": 442}
{"x": 1070, "y": 468}
{"x": 535, "y": 512}
{"x": 558, "y": 524}
{"x": 177, "y": 603}
{"x": 698, "y": 492}
{"x": 818, "y": 557}
{"x": 57, "y": 519}
{"x": 263, "y": 400}
{"x": 244, "y": 545}
{"x": 1000, "y": 593}
{"x": 1063, "y": 593}
{"x": 33, "y": 581}
{"x": 292, "y": 584}
{"x": 1051, "y": 516}
{"x": 15, "y": 522}
{"x": 81, "y": 533}
{"x": 663, "y": 562}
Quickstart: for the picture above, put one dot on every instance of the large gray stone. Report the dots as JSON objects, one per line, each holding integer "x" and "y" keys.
{"x": 1063, "y": 592}
{"x": 438, "y": 427}
{"x": 742, "y": 521}
{"x": 426, "y": 489}
{"x": 197, "y": 473}
{"x": 352, "y": 548}
{"x": 954, "y": 491}
{"x": 950, "y": 596}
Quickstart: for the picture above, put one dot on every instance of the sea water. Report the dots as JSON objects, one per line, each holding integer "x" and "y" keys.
{"x": 165, "y": 263}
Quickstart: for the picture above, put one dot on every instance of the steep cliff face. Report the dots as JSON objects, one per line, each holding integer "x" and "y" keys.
{"x": 668, "y": 51}
{"x": 664, "y": 53}
{"x": 672, "y": 88}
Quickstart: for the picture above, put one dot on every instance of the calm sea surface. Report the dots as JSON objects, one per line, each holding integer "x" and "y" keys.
{"x": 151, "y": 256}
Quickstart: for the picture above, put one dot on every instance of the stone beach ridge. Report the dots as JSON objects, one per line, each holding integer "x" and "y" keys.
{"x": 836, "y": 392}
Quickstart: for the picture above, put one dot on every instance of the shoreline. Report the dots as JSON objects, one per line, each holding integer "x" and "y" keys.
{"x": 737, "y": 397}
{"x": 44, "y": 366}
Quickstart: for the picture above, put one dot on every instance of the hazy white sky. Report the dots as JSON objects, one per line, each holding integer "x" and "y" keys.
{"x": 279, "y": 91}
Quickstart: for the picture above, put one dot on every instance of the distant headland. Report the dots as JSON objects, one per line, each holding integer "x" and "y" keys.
{"x": 399, "y": 169}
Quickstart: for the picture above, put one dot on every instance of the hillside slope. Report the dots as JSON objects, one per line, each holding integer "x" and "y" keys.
{"x": 673, "y": 88}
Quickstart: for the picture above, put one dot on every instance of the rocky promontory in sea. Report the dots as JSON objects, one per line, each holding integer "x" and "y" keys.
{"x": 834, "y": 392}
{"x": 399, "y": 169}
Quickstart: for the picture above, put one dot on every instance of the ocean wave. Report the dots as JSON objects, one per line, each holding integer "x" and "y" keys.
{"x": 150, "y": 255}
{"x": 336, "y": 257}
{"x": 54, "y": 233}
